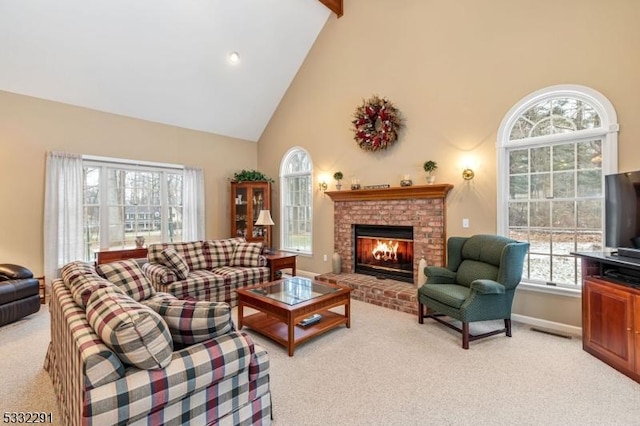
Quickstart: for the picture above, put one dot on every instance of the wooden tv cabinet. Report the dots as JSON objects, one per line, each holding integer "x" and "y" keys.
{"x": 611, "y": 310}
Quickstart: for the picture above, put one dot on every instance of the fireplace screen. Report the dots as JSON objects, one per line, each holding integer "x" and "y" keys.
{"x": 384, "y": 251}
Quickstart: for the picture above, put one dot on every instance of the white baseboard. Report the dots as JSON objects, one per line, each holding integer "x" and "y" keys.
{"x": 550, "y": 325}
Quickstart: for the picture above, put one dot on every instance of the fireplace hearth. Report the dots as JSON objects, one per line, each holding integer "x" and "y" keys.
{"x": 384, "y": 251}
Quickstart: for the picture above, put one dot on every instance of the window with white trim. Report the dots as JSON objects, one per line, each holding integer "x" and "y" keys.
{"x": 296, "y": 171}
{"x": 554, "y": 148}
{"x": 123, "y": 201}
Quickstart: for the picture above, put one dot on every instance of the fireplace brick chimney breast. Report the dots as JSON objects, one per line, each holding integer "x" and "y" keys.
{"x": 421, "y": 207}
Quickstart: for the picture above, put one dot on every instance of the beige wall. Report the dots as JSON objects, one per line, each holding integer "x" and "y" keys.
{"x": 30, "y": 127}
{"x": 453, "y": 68}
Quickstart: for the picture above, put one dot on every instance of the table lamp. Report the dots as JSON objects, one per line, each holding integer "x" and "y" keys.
{"x": 264, "y": 219}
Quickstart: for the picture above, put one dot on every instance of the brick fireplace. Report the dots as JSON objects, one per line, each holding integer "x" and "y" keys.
{"x": 421, "y": 207}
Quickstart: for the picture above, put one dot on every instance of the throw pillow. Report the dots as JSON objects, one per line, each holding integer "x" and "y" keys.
{"x": 127, "y": 275}
{"x": 192, "y": 321}
{"x": 247, "y": 254}
{"x": 134, "y": 332}
{"x": 73, "y": 270}
{"x": 174, "y": 261}
{"x": 81, "y": 280}
{"x": 219, "y": 252}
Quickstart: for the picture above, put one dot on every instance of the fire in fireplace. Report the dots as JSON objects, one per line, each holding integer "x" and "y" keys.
{"x": 384, "y": 251}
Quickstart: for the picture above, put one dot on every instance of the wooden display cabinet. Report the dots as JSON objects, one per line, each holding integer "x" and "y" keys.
{"x": 247, "y": 199}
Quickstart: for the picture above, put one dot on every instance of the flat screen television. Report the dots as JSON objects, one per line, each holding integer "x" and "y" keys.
{"x": 622, "y": 212}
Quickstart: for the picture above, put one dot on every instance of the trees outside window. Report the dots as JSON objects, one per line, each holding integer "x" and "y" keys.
{"x": 554, "y": 148}
{"x": 122, "y": 202}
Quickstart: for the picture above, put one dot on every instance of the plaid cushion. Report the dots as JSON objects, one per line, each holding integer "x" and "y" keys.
{"x": 240, "y": 277}
{"x": 246, "y": 254}
{"x": 81, "y": 279}
{"x": 193, "y": 321}
{"x": 127, "y": 275}
{"x": 192, "y": 252}
{"x": 158, "y": 274}
{"x": 174, "y": 261}
{"x": 219, "y": 252}
{"x": 159, "y": 297}
{"x": 202, "y": 285}
{"x": 73, "y": 270}
{"x": 134, "y": 332}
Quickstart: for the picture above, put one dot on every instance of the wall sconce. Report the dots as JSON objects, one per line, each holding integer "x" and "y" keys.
{"x": 468, "y": 174}
{"x": 323, "y": 178}
{"x": 468, "y": 163}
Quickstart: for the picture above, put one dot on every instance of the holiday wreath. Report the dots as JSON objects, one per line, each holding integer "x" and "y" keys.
{"x": 376, "y": 124}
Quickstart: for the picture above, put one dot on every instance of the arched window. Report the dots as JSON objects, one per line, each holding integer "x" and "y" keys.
{"x": 554, "y": 148}
{"x": 296, "y": 171}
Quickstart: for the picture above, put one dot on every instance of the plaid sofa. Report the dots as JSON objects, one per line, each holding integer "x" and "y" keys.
{"x": 222, "y": 381}
{"x": 216, "y": 268}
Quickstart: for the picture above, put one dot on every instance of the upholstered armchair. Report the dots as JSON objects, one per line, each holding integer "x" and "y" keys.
{"x": 478, "y": 283}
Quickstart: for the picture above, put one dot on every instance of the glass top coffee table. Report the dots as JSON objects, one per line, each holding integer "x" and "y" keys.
{"x": 284, "y": 305}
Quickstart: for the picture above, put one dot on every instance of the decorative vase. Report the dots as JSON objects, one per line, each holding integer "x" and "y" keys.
{"x": 431, "y": 179}
{"x": 338, "y": 185}
{"x": 336, "y": 263}
{"x": 139, "y": 241}
{"x": 422, "y": 277}
{"x": 406, "y": 182}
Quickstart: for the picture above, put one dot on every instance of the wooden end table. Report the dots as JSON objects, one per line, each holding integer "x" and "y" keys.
{"x": 282, "y": 304}
{"x": 42, "y": 290}
{"x": 280, "y": 260}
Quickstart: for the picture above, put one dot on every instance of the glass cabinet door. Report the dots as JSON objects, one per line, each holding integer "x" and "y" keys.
{"x": 257, "y": 204}
{"x": 241, "y": 211}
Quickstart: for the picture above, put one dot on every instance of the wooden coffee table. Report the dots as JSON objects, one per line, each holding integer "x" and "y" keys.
{"x": 282, "y": 304}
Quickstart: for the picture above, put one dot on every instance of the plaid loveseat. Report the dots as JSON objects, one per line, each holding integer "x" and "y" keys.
{"x": 211, "y": 270}
{"x": 222, "y": 380}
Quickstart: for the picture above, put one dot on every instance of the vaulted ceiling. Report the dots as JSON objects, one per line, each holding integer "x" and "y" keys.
{"x": 165, "y": 61}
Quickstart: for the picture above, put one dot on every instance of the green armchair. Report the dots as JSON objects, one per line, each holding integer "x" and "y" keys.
{"x": 478, "y": 283}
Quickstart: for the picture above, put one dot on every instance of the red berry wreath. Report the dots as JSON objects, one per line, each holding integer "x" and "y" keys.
{"x": 376, "y": 124}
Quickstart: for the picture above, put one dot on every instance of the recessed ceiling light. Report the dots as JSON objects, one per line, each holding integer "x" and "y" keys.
{"x": 234, "y": 57}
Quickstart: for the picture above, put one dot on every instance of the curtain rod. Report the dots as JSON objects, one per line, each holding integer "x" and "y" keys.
{"x": 131, "y": 162}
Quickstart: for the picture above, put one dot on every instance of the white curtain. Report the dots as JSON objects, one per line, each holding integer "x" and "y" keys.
{"x": 193, "y": 204}
{"x": 63, "y": 212}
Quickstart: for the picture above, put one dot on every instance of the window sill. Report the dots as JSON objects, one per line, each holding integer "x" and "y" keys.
{"x": 560, "y": 291}
{"x": 296, "y": 253}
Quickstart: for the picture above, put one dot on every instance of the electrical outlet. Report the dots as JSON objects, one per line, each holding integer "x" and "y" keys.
{"x": 465, "y": 223}
{"x": 324, "y": 257}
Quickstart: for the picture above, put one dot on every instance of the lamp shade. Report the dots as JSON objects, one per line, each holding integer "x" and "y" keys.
{"x": 264, "y": 218}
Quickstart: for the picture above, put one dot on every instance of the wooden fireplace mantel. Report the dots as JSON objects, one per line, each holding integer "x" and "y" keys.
{"x": 393, "y": 193}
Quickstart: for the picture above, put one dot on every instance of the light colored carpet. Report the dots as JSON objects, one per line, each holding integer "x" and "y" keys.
{"x": 389, "y": 370}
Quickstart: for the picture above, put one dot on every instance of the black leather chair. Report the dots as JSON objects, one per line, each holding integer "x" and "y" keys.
{"x": 19, "y": 293}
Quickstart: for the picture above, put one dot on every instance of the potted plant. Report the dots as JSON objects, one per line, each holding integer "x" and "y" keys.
{"x": 251, "y": 176}
{"x": 430, "y": 167}
{"x": 338, "y": 177}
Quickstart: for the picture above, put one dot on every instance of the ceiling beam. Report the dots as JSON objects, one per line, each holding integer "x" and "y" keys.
{"x": 334, "y": 5}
